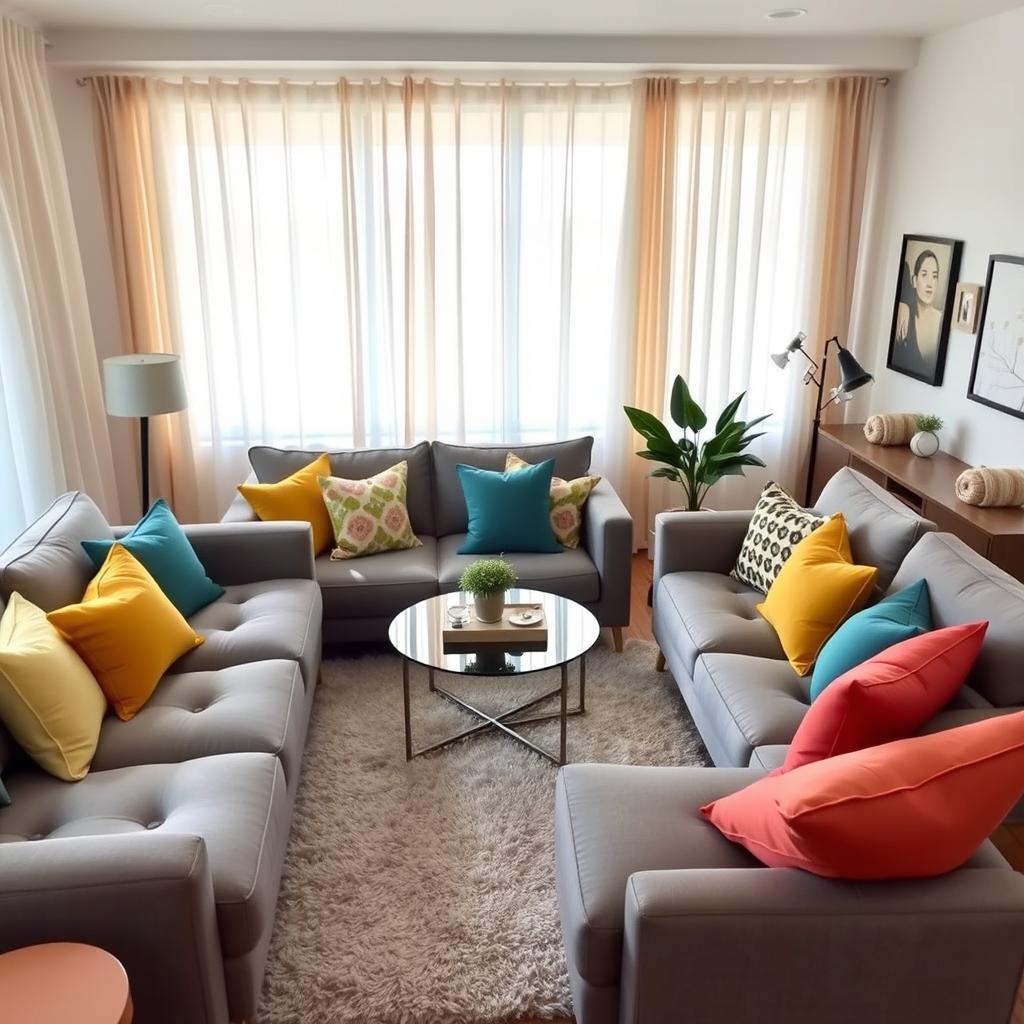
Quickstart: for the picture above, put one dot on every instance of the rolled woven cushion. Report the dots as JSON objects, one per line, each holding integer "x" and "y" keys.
{"x": 993, "y": 488}
{"x": 891, "y": 428}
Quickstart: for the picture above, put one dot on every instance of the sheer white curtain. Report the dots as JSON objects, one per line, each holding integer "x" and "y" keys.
{"x": 371, "y": 263}
{"x": 53, "y": 431}
{"x": 752, "y": 191}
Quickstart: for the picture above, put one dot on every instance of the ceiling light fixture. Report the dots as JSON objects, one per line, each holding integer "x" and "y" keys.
{"x": 785, "y": 13}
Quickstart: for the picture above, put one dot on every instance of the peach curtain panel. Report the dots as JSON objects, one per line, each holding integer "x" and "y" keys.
{"x": 125, "y": 149}
{"x": 53, "y": 428}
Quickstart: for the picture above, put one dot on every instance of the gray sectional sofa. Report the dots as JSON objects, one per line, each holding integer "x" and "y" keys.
{"x": 361, "y": 596}
{"x": 665, "y": 920}
{"x": 169, "y": 852}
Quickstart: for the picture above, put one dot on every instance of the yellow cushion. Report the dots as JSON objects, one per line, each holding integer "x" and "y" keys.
{"x": 126, "y": 631}
{"x": 296, "y": 497}
{"x": 49, "y": 699}
{"x": 817, "y": 589}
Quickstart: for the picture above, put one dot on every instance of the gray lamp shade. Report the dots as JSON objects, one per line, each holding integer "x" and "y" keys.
{"x": 146, "y": 384}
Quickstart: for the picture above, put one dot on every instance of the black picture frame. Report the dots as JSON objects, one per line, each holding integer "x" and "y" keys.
{"x": 992, "y": 310}
{"x": 905, "y": 354}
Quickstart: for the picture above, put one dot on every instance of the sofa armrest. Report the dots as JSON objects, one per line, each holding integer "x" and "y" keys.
{"x": 608, "y": 538}
{"x": 145, "y": 897}
{"x": 234, "y": 553}
{"x": 698, "y": 541}
{"x": 760, "y": 944}
{"x": 240, "y": 511}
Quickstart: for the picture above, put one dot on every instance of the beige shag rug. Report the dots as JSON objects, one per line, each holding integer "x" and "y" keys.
{"x": 423, "y": 892}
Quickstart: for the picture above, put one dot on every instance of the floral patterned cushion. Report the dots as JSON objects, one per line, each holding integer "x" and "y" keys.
{"x": 567, "y": 500}
{"x": 369, "y": 516}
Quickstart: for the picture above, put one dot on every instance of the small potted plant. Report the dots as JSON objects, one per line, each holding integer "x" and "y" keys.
{"x": 926, "y": 441}
{"x": 487, "y": 580}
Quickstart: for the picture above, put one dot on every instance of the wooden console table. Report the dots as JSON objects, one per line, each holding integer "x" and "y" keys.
{"x": 926, "y": 486}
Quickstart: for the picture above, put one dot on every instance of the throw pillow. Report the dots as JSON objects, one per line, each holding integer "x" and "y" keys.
{"x": 776, "y": 527}
{"x": 126, "y": 631}
{"x": 567, "y": 500}
{"x": 49, "y": 700}
{"x": 160, "y": 544}
{"x": 815, "y": 591}
{"x": 508, "y": 512}
{"x": 295, "y": 497}
{"x": 897, "y": 617}
{"x": 889, "y": 697}
{"x": 369, "y": 516}
{"x": 909, "y": 809}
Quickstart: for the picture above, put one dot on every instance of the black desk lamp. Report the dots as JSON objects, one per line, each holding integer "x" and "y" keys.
{"x": 851, "y": 377}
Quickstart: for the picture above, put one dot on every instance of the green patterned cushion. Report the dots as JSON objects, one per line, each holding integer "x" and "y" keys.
{"x": 567, "y": 500}
{"x": 369, "y": 516}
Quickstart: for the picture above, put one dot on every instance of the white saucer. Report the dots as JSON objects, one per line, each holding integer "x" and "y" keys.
{"x": 528, "y": 618}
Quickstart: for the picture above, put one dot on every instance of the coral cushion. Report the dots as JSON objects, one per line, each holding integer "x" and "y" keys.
{"x": 889, "y": 697}
{"x": 815, "y": 591}
{"x": 296, "y": 497}
{"x": 126, "y": 630}
{"x": 909, "y": 809}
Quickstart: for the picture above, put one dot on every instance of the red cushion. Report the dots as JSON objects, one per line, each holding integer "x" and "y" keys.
{"x": 909, "y": 809}
{"x": 889, "y": 696}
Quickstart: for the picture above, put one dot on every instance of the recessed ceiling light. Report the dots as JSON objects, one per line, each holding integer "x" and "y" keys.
{"x": 785, "y": 13}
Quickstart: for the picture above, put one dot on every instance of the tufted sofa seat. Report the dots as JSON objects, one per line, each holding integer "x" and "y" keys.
{"x": 169, "y": 852}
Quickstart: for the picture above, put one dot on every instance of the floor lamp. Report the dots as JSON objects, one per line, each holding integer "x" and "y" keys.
{"x": 144, "y": 385}
{"x": 851, "y": 377}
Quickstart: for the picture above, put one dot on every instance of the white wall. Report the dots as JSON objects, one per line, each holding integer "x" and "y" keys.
{"x": 954, "y": 159}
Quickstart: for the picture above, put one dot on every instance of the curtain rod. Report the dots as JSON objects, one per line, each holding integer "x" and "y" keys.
{"x": 83, "y": 80}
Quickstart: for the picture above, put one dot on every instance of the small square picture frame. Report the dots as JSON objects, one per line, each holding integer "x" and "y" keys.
{"x": 966, "y": 307}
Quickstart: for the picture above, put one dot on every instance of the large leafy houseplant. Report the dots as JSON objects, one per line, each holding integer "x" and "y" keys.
{"x": 694, "y": 464}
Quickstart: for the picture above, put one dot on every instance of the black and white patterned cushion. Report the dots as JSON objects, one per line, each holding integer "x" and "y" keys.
{"x": 776, "y": 527}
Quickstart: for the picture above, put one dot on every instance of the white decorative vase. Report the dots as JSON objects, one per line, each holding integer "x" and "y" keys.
{"x": 489, "y": 607}
{"x": 924, "y": 443}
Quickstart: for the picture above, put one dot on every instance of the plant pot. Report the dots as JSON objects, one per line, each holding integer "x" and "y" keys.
{"x": 488, "y": 607}
{"x": 924, "y": 443}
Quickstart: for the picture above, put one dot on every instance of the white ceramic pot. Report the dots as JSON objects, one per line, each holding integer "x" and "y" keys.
{"x": 924, "y": 443}
{"x": 489, "y": 607}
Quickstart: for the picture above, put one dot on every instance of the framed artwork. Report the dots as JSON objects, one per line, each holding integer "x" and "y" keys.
{"x": 923, "y": 307}
{"x": 965, "y": 307}
{"x": 997, "y": 373}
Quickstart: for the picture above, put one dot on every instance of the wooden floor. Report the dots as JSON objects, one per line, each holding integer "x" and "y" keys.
{"x": 1009, "y": 839}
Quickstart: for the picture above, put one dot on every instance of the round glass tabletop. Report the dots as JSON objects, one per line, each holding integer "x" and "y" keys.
{"x": 416, "y": 633}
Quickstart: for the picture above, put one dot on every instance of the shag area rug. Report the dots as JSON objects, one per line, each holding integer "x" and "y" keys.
{"x": 423, "y": 892}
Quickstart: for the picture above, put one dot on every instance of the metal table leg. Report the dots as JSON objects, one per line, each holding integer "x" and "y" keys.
{"x": 405, "y": 699}
{"x": 563, "y": 706}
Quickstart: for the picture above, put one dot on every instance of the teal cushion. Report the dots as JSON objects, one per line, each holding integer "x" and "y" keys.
{"x": 508, "y": 512}
{"x": 895, "y": 618}
{"x": 160, "y": 544}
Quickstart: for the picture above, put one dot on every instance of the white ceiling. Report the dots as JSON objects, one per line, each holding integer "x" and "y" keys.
{"x": 548, "y": 17}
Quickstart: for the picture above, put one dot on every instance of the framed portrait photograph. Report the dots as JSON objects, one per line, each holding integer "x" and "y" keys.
{"x": 966, "y": 306}
{"x": 923, "y": 307}
{"x": 997, "y": 373}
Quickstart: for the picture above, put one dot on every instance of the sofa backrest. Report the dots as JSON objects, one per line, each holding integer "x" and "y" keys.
{"x": 965, "y": 587}
{"x": 273, "y": 464}
{"x": 47, "y": 564}
{"x": 572, "y": 459}
{"x": 882, "y": 529}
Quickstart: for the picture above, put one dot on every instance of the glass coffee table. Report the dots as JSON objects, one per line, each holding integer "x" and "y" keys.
{"x": 572, "y": 630}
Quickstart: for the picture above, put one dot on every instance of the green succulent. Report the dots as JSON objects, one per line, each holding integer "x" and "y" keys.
{"x": 488, "y": 576}
{"x": 929, "y": 423}
{"x": 695, "y": 465}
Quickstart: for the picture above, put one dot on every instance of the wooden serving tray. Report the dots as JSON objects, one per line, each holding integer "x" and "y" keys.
{"x": 476, "y": 632}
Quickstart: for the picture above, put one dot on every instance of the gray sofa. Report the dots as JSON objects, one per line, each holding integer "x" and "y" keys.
{"x": 665, "y": 920}
{"x": 169, "y": 853}
{"x": 361, "y": 596}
